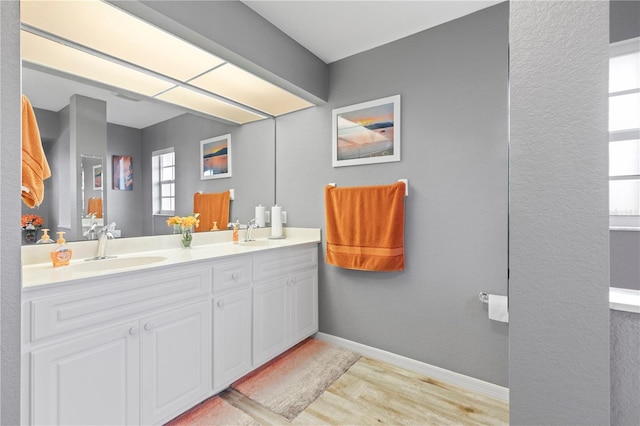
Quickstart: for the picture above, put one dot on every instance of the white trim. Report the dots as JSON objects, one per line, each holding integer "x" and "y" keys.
{"x": 624, "y": 47}
{"x": 470, "y": 383}
{"x": 162, "y": 151}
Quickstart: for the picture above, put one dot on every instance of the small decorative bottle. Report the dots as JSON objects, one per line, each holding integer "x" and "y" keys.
{"x": 61, "y": 254}
{"x": 215, "y": 226}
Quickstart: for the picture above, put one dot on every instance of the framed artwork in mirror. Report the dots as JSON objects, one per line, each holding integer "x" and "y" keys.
{"x": 122, "y": 172}
{"x": 97, "y": 177}
{"x": 367, "y": 132}
{"x": 215, "y": 157}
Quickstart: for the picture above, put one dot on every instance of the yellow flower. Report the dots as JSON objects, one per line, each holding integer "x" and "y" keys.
{"x": 185, "y": 221}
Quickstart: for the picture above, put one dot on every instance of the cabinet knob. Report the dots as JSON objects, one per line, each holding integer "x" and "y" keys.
{"x": 234, "y": 276}
{"x": 220, "y": 303}
{"x": 133, "y": 331}
{"x": 148, "y": 326}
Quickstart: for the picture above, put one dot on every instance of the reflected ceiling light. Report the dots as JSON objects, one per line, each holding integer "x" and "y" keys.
{"x": 207, "y": 105}
{"x": 59, "y": 57}
{"x": 120, "y": 50}
{"x": 234, "y": 83}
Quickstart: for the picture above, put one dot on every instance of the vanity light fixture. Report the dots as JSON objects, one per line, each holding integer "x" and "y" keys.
{"x": 98, "y": 41}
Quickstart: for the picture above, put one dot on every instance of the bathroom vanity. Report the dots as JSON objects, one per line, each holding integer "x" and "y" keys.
{"x": 145, "y": 342}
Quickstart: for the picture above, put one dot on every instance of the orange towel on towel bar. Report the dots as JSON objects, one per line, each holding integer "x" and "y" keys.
{"x": 35, "y": 168}
{"x": 212, "y": 208}
{"x": 365, "y": 227}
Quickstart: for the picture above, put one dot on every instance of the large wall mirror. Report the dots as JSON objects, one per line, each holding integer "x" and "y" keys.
{"x": 85, "y": 126}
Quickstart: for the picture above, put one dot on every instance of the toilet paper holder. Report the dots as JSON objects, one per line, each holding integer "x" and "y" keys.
{"x": 484, "y": 297}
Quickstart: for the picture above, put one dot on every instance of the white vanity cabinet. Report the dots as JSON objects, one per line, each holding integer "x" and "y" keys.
{"x": 231, "y": 322}
{"x": 175, "y": 364}
{"x": 135, "y": 352}
{"x": 285, "y": 301}
{"x": 93, "y": 379}
{"x": 144, "y": 346}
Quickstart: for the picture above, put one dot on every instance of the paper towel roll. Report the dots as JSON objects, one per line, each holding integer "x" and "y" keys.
{"x": 276, "y": 221}
{"x": 498, "y": 308}
{"x": 260, "y": 215}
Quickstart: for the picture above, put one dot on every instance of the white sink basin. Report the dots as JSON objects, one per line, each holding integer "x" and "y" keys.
{"x": 116, "y": 263}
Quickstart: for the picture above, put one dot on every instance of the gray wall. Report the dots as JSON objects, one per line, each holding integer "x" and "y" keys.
{"x": 625, "y": 20}
{"x": 454, "y": 88}
{"x": 559, "y": 286}
{"x": 88, "y": 136}
{"x": 10, "y": 213}
{"x": 124, "y": 207}
{"x": 252, "y": 165}
{"x": 625, "y": 368}
{"x": 625, "y": 259}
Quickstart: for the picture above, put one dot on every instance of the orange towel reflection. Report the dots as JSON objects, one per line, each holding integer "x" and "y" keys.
{"x": 212, "y": 208}
{"x": 35, "y": 168}
{"x": 365, "y": 227}
{"x": 95, "y": 207}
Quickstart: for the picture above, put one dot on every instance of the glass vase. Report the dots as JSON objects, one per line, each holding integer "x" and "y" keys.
{"x": 187, "y": 236}
{"x": 30, "y": 235}
{"x": 177, "y": 229}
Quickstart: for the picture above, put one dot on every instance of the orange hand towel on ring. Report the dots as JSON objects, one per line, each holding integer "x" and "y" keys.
{"x": 365, "y": 227}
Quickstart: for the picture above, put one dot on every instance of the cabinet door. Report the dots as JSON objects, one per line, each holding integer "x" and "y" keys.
{"x": 231, "y": 337}
{"x": 174, "y": 361}
{"x": 303, "y": 288}
{"x": 271, "y": 320}
{"x": 92, "y": 380}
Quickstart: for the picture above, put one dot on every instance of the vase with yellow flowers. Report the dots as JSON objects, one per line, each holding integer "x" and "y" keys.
{"x": 30, "y": 225}
{"x": 185, "y": 225}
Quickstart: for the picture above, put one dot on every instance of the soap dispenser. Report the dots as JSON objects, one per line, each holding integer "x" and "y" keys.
{"x": 61, "y": 253}
{"x": 46, "y": 239}
{"x": 236, "y": 226}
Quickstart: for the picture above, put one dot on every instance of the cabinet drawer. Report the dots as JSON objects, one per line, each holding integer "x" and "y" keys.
{"x": 78, "y": 309}
{"x": 231, "y": 275}
{"x": 283, "y": 262}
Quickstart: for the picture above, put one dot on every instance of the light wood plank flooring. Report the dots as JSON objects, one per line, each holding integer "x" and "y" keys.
{"x": 373, "y": 392}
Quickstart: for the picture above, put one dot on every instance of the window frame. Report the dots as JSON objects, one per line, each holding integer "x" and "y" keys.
{"x": 623, "y": 221}
{"x": 158, "y": 182}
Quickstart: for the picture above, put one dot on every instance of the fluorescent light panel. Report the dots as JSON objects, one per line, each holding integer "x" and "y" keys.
{"x": 63, "y": 58}
{"x": 245, "y": 88}
{"x": 100, "y": 27}
{"x": 107, "y": 29}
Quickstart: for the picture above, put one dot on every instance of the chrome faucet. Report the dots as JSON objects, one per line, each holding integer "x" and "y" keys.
{"x": 250, "y": 227}
{"x": 91, "y": 232}
{"x": 103, "y": 235}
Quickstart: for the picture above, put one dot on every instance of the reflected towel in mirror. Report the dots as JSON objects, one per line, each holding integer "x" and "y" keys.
{"x": 35, "y": 168}
{"x": 213, "y": 207}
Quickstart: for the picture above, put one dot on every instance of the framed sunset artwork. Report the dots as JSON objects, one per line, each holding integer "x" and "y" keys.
{"x": 367, "y": 132}
{"x": 215, "y": 157}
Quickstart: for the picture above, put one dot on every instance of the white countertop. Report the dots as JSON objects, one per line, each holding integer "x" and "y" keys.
{"x": 37, "y": 269}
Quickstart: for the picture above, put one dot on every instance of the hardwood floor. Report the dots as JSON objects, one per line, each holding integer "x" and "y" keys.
{"x": 373, "y": 392}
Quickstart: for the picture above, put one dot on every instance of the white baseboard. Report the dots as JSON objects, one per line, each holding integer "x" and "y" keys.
{"x": 470, "y": 383}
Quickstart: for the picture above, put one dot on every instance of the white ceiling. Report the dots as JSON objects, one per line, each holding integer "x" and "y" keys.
{"x": 332, "y": 30}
